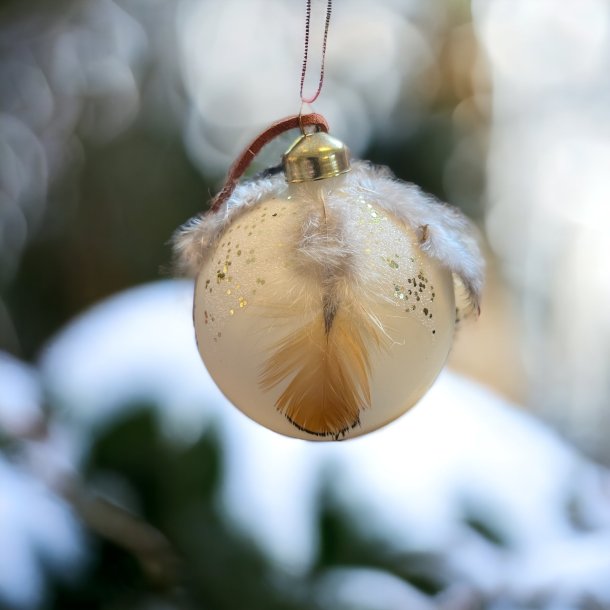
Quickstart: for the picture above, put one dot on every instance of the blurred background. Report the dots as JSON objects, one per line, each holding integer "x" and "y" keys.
{"x": 127, "y": 480}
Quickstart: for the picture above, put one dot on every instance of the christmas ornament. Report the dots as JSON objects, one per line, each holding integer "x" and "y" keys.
{"x": 325, "y": 297}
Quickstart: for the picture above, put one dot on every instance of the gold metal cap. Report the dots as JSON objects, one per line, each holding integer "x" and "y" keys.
{"x": 315, "y": 156}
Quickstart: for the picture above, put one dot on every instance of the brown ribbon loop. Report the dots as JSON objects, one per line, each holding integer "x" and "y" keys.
{"x": 240, "y": 165}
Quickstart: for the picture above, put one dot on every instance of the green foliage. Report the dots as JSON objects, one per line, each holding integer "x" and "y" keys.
{"x": 344, "y": 543}
{"x": 215, "y": 565}
{"x": 107, "y": 228}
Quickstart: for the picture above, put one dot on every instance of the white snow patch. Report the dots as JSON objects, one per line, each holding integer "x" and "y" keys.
{"x": 20, "y": 397}
{"x": 36, "y": 527}
{"x": 463, "y": 448}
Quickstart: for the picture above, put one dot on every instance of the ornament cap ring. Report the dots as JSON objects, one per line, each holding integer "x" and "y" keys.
{"x": 315, "y": 156}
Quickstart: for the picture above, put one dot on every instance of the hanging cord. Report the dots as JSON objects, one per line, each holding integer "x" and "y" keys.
{"x": 298, "y": 121}
{"x": 240, "y": 165}
{"x": 314, "y": 97}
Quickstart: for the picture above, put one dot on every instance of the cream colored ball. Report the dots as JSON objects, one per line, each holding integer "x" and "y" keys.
{"x": 322, "y": 344}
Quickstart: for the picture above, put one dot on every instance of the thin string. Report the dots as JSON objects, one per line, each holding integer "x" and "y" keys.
{"x": 314, "y": 97}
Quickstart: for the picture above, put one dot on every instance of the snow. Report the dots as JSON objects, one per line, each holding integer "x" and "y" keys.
{"x": 138, "y": 346}
{"x": 368, "y": 589}
{"x": 20, "y": 397}
{"x": 463, "y": 448}
{"x": 36, "y": 529}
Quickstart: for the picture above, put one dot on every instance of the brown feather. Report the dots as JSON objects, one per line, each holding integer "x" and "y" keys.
{"x": 328, "y": 363}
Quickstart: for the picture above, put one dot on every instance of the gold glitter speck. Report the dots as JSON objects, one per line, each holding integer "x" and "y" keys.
{"x": 391, "y": 263}
{"x": 231, "y": 312}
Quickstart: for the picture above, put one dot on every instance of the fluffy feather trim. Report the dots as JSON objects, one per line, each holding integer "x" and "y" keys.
{"x": 446, "y": 235}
